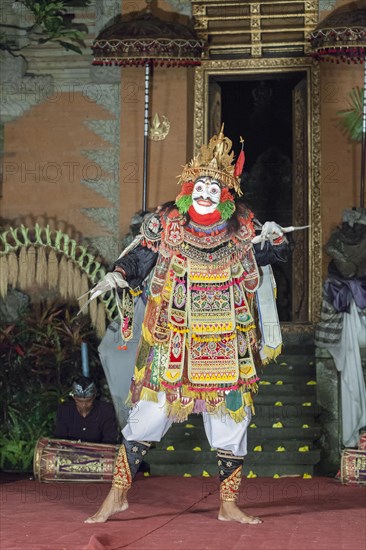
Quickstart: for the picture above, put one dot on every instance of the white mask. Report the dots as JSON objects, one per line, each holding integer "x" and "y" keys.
{"x": 206, "y": 195}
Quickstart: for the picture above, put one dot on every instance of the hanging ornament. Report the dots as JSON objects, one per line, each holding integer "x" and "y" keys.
{"x": 239, "y": 166}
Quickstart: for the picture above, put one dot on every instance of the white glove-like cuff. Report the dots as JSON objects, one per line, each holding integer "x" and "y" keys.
{"x": 271, "y": 230}
{"x": 109, "y": 282}
{"x": 114, "y": 280}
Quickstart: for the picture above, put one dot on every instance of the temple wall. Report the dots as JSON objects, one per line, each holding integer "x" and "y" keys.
{"x": 73, "y": 146}
{"x": 166, "y": 157}
{"x": 49, "y": 151}
{"x": 340, "y": 158}
{"x": 44, "y": 164}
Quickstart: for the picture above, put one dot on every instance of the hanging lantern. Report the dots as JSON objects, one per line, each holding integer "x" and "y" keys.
{"x": 142, "y": 39}
{"x": 134, "y": 40}
{"x": 342, "y": 35}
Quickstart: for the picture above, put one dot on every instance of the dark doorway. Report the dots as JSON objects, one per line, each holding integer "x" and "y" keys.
{"x": 261, "y": 109}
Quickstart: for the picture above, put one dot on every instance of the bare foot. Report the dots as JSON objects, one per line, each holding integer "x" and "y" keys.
{"x": 115, "y": 501}
{"x": 230, "y": 512}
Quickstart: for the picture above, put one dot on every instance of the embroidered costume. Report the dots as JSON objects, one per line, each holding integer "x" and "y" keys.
{"x": 199, "y": 337}
{"x": 201, "y": 341}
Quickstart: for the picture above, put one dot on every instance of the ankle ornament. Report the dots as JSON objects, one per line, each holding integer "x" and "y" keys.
{"x": 129, "y": 458}
{"x": 230, "y": 469}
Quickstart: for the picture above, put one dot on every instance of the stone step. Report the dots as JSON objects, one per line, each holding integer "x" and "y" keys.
{"x": 196, "y": 422}
{"x": 256, "y": 436}
{"x": 293, "y": 354}
{"x": 294, "y": 424}
{"x": 189, "y": 444}
{"x": 159, "y": 456}
{"x": 211, "y": 471}
{"x": 294, "y": 370}
{"x": 285, "y": 379}
{"x": 304, "y": 349}
{"x": 300, "y": 343}
{"x": 268, "y": 398}
{"x": 305, "y": 410}
{"x": 291, "y": 365}
{"x": 303, "y": 388}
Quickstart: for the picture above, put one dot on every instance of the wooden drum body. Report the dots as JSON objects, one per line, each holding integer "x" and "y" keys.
{"x": 362, "y": 441}
{"x": 353, "y": 467}
{"x": 64, "y": 460}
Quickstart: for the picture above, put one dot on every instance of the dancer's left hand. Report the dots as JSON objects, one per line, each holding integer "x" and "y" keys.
{"x": 270, "y": 232}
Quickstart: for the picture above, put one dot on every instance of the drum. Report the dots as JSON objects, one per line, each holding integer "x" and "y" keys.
{"x": 362, "y": 441}
{"x": 64, "y": 460}
{"x": 353, "y": 467}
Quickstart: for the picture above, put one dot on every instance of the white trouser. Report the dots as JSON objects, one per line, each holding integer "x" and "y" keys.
{"x": 148, "y": 421}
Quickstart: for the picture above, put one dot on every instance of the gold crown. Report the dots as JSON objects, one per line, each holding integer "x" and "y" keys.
{"x": 214, "y": 160}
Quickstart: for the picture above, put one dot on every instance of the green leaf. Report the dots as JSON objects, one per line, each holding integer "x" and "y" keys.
{"x": 70, "y": 46}
{"x": 54, "y": 6}
{"x": 351, "y": 118}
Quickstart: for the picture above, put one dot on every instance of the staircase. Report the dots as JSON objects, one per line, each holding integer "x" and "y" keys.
{"x": 286, "y": 399}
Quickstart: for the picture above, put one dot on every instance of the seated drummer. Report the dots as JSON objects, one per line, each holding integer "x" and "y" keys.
{"x": 85, "y": 418}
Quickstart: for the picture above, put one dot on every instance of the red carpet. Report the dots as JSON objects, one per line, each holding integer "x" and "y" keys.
{"x": 180, "y": 513}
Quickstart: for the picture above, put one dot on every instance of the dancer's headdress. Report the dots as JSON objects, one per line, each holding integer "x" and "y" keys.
{"x": 216, "y": 160}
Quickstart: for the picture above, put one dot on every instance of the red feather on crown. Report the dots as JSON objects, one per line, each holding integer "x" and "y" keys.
{"x": 239, "y": 165}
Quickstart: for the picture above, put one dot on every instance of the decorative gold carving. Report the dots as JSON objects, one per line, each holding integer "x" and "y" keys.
{"x": 299, "y": 204}
{"x": 283, "y": 26}
{"x": 312, "y": 5}
{"x": 227, "y": 455}
{"x": 311, "y": 20}
{"x": 237, "y": 67}
{"x": 215, "y": 160}
{"x": 198, "y": 11}
{"x": 229, "y": 487}
{"x": 158, "y": 130}
{"x": 81, "y": 464}
{"x": 315, "y": 253}
{"x": 122, "y": 478}
{"x": 294, "y": 329}
{"x": 200, "y": 103}
{"x": 201, "y": 25}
